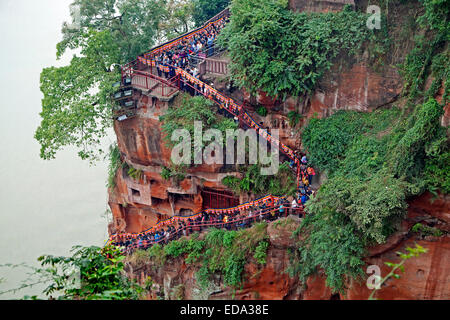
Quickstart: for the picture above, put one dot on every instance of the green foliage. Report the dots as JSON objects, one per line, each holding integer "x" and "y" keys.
{"x": 157, "y": 254}
{"x": 417, "y": 63}
{"x": 91, "y": 273}
{"x": 412, "y": 253}
{"x": 177, "y": 292}
{"x": 437, "y": 173}
{"x": 192, "y": 248}
{"x": 174, "y": 171}
{"x": 206, "y": 9}
{"x": 222, "y": 251}
{"x": 329, "y": 140}
{"x": 294, "y": 118}
{"x": 410, "y": 148}
{"x": 133, "y": 24}
{"x": 114, "y": 164}
{"x": 166, "y": 174}
{"x": 176, "y": 18}
{"x": 134, "y": 173}
{"x": 426, "y": 230}
{"x": 139, "y": 258}
{"x": 76, "y": 108}
{"x": 203, "y": 277}
{"x": 383, "y": 143}
{"x": 262, "y": 111}
{"x": 437, "y": 13}
{"x": 374, "y": 161}
{"x": 281, "y": 184}
{"x": 333, "y": 244}
{"x": 436, "y": 16}
{"x": 372, "y": 206}
{"x": 281, "y": 52}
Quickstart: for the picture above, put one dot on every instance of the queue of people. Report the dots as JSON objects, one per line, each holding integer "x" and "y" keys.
{"x": 237, "y": 219}
{"x": 188, "y": 52}
{"x": 307, "y": 173}
{"x": 185, "y": 56}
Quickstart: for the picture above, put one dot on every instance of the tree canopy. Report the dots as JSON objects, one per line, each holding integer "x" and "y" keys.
{"x": 90, "y": 273}
{"x": 76, "y": 108}
{"x": 177, "y": 19}
{"x": 281, "y": 52}
{"x": 374, "y": 163}
{"x": 203, "y": 10}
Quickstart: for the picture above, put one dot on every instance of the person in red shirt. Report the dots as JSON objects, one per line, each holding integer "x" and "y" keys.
{"x": 311, "y": 173}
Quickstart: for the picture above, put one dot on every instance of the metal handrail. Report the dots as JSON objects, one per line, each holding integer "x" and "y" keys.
{"x": 220, "y": 15}
{"x": 172, "y": 82}
{"x": 189, "y": 227}
{"x": 238, "y": 111}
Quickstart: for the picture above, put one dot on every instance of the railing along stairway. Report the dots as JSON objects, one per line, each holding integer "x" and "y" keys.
{"x": 140, "y": 73}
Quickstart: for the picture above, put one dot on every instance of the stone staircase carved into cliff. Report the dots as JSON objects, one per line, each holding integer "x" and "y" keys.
{"x": 142, "y": 73}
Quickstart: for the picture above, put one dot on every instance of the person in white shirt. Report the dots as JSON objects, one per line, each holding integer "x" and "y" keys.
{"x": 294, "y": 206}
{"x": 167, "y": 236}
{"x": 199, "y": 46}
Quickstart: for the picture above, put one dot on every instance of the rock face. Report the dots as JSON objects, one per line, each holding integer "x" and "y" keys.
{"x": 138, "y": 204}
{"x": 357, "y": 87}
{"x": 319, "y": 5}
{"x": 425, "y": 277}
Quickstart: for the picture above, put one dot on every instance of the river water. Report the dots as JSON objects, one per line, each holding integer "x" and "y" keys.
{"x": 46, "y": 206}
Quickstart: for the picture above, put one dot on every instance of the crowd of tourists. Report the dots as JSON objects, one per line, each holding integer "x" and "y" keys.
{"x": 184, "y": 56}
{"x": 304, "y": 187}
{"x": 237, "y": 219}
{"x": 189, "y": 51}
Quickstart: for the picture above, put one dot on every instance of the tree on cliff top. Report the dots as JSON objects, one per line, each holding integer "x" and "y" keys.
{"x": 281, "y": 52}
{"x": 76, "y": 108}
{"x": 206, "y": 9}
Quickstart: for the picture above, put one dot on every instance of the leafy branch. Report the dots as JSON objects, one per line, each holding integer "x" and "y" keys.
{"x": 412, "y": 252}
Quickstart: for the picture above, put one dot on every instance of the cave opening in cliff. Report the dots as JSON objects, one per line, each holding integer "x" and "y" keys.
{"x": 183, "y": 203}
{"x": 135, "y": 193}
{"x": 186, "y": 212}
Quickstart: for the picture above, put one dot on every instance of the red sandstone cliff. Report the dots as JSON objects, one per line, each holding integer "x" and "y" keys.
{"x": 360, "y": 83}
{"x": 425, "y": 277}
{"x": 350, "y": 85}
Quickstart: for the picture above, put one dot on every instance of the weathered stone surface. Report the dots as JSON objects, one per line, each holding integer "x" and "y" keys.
{"x": 141, "y": 142}
{"x": 319, "y": 5}
{"x": 425, "y": 277}
{"x": 356, "y": 88}
{"x": 349, "y": 85}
